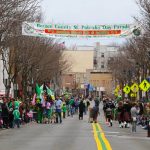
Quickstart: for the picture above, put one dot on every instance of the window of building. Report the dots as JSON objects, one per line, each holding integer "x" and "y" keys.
{"x": 95, "y": 61}
{"x": 102, "y": 65}
{"x": 102, "y": 55}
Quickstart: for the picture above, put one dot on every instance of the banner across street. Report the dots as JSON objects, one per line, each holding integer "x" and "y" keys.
{"x": 66, "y": 30}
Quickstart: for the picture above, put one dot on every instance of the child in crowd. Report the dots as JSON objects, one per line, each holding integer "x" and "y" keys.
{"x": 30, "y": 115}
{"x": 64, "y": 109}
{"x": 16, "y": 114}
{"x": 53, "y": 117}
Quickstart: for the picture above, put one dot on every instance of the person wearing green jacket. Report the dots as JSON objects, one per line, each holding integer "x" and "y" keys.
{"x": 16, "y": 114}
{"x": 64, "y": 110}
{"x": 72, "y": 106}
{"x": 16, "y": 103}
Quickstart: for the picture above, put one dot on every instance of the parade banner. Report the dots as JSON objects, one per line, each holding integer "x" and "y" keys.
{"x": 88, "y": 31}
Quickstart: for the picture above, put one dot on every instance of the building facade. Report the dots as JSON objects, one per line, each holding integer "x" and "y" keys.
{"x": 80, "y": 61}
{"x": 89, "y": 66}
{"x": 101, "y": 82}
{"x": 103, "y": 53}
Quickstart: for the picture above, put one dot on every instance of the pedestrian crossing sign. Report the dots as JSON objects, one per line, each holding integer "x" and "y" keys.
{"x": 135, "y": 88}
{"x": 118, "y": 87}
{"x": 133, "y": 95}
{"x": 145, "y": 85}
{"x": 116, "y": 92}
{"x": 127, "y": 89}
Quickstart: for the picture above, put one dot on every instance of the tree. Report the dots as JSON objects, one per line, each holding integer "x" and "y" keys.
{"x": 132, "y": 64}
{"x": 12, "y": 14}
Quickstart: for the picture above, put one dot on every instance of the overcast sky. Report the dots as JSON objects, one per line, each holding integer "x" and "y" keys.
{"x": 89, "y": 12}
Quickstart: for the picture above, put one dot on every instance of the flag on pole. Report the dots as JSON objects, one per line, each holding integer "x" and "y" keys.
{"x": 33, "y": 100}
{"x": 42, "y": 100}
{"x": 37, "y": 90}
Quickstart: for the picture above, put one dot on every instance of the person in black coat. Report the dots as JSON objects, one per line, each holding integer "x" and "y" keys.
{"x": 126, "y": 113}
{"x": 81, "y": 110}
{"x": 5, "y": 113}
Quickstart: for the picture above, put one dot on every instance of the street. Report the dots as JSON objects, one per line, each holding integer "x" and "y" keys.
{"x": 72, "y": 134}
{"x": 87, "y": 62}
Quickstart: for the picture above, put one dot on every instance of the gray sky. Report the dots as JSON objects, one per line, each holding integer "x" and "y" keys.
{"x": 89, "y": 12}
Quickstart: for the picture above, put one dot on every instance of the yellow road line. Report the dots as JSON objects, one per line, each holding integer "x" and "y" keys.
{"x": 107, "y": 144}
{"x": 99, "y": 146}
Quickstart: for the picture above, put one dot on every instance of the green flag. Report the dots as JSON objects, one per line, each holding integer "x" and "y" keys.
{"x": 37, "y": 90}
{"x": 49, "y": 91}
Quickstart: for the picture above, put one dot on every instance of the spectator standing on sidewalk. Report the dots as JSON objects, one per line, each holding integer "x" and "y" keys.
{"x": 16, "y": 114}
{"x": 58, "y": 105}
{"x": 1, "y": 121}
{"x": 72, "y": 106}
{"x": 85, "y": 104}
{"x": 5, "y": 113}
{"x": 64, "y": 110}
{"x": 81, "y": 109}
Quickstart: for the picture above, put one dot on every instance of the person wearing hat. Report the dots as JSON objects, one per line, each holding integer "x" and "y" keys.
{"x": 16, "y": 114}
{"x": 17, "y": 103}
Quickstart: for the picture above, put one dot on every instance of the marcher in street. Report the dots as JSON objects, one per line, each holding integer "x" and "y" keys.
{"x": 120, "y": 114}
{"x": 104, "y": 107}
{"x": 109, "y": 113}
{"x": 81, "y": 109}
{"x": 95, "y": 110}
{"x": 90, "y": 108}
{"x": 126, "y": 113}
{"x": 134, "y": 113}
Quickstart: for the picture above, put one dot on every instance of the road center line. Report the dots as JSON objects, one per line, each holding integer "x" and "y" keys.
{"x": 98, "y": 143}
{"x": 107, "y": 144}
{"x": 100, "y": 139}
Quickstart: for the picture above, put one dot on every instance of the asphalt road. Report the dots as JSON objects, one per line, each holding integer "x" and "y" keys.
{"x": 72, "y": 134}
{"x": 124, "y": 139}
